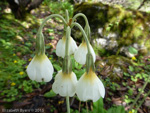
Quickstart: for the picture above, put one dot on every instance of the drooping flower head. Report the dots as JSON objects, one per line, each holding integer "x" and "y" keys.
{"x": 61, "y": 45}
{"x": 65, "y": 84}
{"x": 80, "y": 54}
{"x": 90, "y": 87}
{"x": 40, "y": 68}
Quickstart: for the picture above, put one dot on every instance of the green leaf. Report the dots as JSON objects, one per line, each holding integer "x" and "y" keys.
{"x": 99, "y": 106}
{"x": 118, "y": 109}
{"x": 50, "y": 30}
{"x": 132, "y": 50}
{"x": 57, "y": 67}
{"x": 131, "y": 68}
{"x": 47, "y": 47}
{"x": 50, "y": 94}
{"x": 51, "y": 37}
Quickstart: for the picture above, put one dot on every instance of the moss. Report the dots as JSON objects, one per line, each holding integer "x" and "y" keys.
{"x": 130, "y": 25}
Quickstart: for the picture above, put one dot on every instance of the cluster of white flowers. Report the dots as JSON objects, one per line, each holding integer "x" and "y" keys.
{"x": 40, "y": 69}
{"x": 89, "y": 86}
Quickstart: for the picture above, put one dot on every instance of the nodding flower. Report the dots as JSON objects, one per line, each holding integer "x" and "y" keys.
{"x": 90, "y": 87}
{"x": 60, "y": 47}
{"x": 65, "y": 84}
{"x": 81, "y": 52}
{"x": 40, "y": 68}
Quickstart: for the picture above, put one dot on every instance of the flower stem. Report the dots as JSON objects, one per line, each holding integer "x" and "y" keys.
{"x": 87, "y": 109}
{"x": 40, "y": 46}
{"x": 67, "y": 16}
{"x": 51, "y": 16}
{"x": 84, "y": 34}
{"x": 141, "y": 102}
{"x": 68, "y": 30}
{"x": 86, "y": 22}
{"x": 135, "y": 101}
{"x": 68, "y": 104}
{"x": 85, "y": 18}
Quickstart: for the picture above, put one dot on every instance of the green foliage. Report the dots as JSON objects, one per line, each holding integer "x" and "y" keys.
{"x": 16, "y": 53}
{"x": 131, "y": 68}
{"x": 59, "y": 7}
{"x": 99, "y": 108}
{"x": 130, "y": 26}
{"x": 113, "y": 85}
{"x": 118, "y": 109}
{"x": 57, "y": 67}
{"x": 14, "y": 81}
{"x": 50, "y": 94}
{"x": 132, "y": 50}
{"x": 128, "y": 99}
{"x": 77, "y": 68}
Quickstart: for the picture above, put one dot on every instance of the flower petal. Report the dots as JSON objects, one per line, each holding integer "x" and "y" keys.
{"x": 72, "y": 46}
{"x": 64, "y": 84}
{"x": 60, "y": 47}
{"x": 80, "y": 54}
{"x": 31, "y": 70}
{"x": 40, "y": 69}
{"x": 89, "y": 87}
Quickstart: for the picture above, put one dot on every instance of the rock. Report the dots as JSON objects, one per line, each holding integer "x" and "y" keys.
{"x": 115, "y": 29}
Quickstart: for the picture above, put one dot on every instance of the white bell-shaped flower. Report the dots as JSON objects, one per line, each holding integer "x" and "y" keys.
{"x": 90, "y": 87}
{"x": 40, "y": 69}
{"x": 61, "y": 45}
{"x": 80, "y": 54}
{"x": 65, "y": 84}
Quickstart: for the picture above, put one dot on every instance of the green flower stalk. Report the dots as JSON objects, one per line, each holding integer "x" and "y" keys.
{"x": 89, "y": 86}
{"x": 40, "y": 68}
{"x": 65, "y": 80}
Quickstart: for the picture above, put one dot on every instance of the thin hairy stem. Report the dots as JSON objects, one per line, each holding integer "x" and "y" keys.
{"x": 51, "y": 16}
{"x": 135, "y": 101}
{"x": 84, "y": 35}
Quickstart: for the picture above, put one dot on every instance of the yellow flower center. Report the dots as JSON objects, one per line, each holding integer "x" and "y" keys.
{"x": 91, "y": 76}
{"x": 66, "y": 76}
{"x": 40, "y": 58}
{"x": 64, "y": 39}
{"x": 83, "y": 44}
